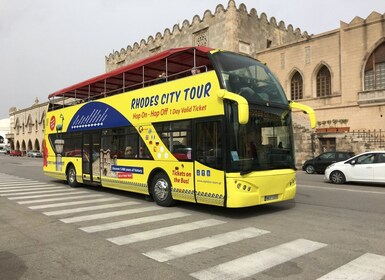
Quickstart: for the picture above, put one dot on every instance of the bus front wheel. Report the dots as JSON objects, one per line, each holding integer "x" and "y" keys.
{"x": 71, "y": 177}
{"x": 161, "y": 190}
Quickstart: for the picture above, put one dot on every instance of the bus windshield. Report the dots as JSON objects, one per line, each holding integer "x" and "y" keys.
{"x": 249, "y": 78}
{"x": 264, "y": 143}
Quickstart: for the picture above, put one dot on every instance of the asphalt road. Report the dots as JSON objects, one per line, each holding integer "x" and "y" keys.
{"x": 49, "y": 231}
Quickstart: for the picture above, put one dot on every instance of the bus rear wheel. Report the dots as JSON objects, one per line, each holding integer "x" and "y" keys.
{"x": 161, "y": 190}
{"x": 71, "y": 177}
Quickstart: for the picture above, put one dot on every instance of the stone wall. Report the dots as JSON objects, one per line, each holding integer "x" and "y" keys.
{"x": 231, "y": 28}
{"x": 27, "y": 127}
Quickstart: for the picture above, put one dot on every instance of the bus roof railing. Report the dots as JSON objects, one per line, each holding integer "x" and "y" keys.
{"x": 175, "y": 63}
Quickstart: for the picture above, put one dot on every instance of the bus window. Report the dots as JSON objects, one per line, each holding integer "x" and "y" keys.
{"x": 176, "y": 136}
{"x": 118, "y": 141}
{"x": 209, "y": 144}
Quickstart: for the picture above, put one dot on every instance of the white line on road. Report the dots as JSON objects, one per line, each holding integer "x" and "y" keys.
{"x": 90, "y": 208}
{"x": 69, "y": 192}
{"x": 59, "y": 198}
{"x": 161, "y": 232}
{"x": 367, "y": 266}
{"x": 41, "y": 187}
{"x": 203, "y": 244}
{"x": 249, "y": 265}
{"x": 133, "y": 222}
{"x": 110, "y": 214}
{"x": 15, "y": 182}
{"x": 26, "y": 187}
{"x": 72, "y": 203}
{"x": 62, "y": 189}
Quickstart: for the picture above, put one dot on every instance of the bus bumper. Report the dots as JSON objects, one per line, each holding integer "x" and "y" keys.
{"x": 260, "y": 187}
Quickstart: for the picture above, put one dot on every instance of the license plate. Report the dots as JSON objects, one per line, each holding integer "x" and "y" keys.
{"x": 271, "y": 197}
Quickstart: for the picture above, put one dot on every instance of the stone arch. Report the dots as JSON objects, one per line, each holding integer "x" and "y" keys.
{"x": 368, "y": 58}
{"x": 316, "y": 71}
{"x": 29, "y": 145}
{"x": 36, "y": 145}
{"x": 23, "y": 147}
{"x": 292, "y": 74}
{"x": 17, "y": 147}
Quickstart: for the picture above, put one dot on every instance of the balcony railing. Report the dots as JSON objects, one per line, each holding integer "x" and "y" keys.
{"x": 371, "y": 96}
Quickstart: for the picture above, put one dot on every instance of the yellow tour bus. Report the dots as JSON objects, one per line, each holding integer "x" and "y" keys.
{"x": 188, "y": 124}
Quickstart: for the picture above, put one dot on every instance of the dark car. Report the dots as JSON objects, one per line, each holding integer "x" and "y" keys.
{"x": 15, "y": 153}
{"x": 319, "y": 163}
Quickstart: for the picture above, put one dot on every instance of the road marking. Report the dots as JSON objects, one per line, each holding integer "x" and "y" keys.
{"x": 89, "y": 208}
{"x": 339, "y": 189}
{"x": 367, "y": 266}
{"x": 249, "y": 265}
{"x": 161, "y": 232}
{"x": 22, "y": 184}
{"x": 70, "y": 192}
{"x": 36, "y": 192}
{"x": 33, "y": 187}
{"x": 59, "y": 198}
{"x": 72, "y": 203}
{"x": 110, "y": 214}
{"x": 203, "y": 244}
{"x": 133, "y": 222}
{"x": 41, "y": 187}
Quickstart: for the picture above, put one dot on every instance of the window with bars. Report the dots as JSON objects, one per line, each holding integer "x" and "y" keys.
{"x": 323, "y": 82}
{"x": 296, "y": 87}
{"x": 374, "y": 76}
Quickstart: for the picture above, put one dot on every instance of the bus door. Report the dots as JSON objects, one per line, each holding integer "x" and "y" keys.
{"x": 209, "y": 164}
{"x": 91, "y": 157}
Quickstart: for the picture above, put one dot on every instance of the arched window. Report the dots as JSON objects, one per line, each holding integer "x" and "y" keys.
{"x": 323, "y": 82}
{"x": 374, "y": 76}
{"x": 296, "y": 86}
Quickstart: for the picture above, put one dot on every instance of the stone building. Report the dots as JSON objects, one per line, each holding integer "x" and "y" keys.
{"x": 4, "y": 130}
{"x": 27, "y": 127}
{"x": 340, "y": 73}
{"x": 230, "y": 28}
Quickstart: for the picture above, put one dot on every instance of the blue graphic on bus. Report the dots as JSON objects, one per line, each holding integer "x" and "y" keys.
{"x": 96, "y": 115}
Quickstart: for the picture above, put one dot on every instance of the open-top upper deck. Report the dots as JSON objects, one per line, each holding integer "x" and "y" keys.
{"x": 164, "y": 66}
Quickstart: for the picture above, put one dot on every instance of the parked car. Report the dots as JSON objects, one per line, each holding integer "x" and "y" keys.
{"x": 34, "y": 153}
{"x": 16, "y": 153}
{"x": 3, "y": 151}
{"x": 319, "y": 163}
{"x": 365, "y": 167}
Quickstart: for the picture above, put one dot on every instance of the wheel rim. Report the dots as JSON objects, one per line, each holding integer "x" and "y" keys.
{"x": 161, "y": 189}
{"x": 310, "y": 169}
{"x": 337, "y": 177}
{"x": 71, "y": 175}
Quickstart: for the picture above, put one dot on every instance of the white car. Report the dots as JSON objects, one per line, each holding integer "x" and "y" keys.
{"x": 365, "y": 167}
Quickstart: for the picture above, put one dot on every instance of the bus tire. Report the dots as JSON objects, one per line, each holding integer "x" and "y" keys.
{"x": 71, "y": 177}
{"x": 161, "y": 190}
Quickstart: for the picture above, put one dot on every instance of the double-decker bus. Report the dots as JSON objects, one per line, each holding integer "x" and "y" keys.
{"x": 188, "y": 124}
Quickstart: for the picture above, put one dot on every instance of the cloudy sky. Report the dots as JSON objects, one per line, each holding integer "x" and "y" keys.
{"x": 46, "y": 45}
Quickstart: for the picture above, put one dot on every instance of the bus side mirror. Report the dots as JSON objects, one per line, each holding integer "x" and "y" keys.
{"x": 305, "y": 109}
{"x": 243, "y": 105}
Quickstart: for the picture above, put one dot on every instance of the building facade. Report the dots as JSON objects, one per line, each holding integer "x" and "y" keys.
{"x": 340, "y": 73}
{"x": 27, "y": 127}
{"x": 4, "y": 130}
{"x": 231, "y": 28}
